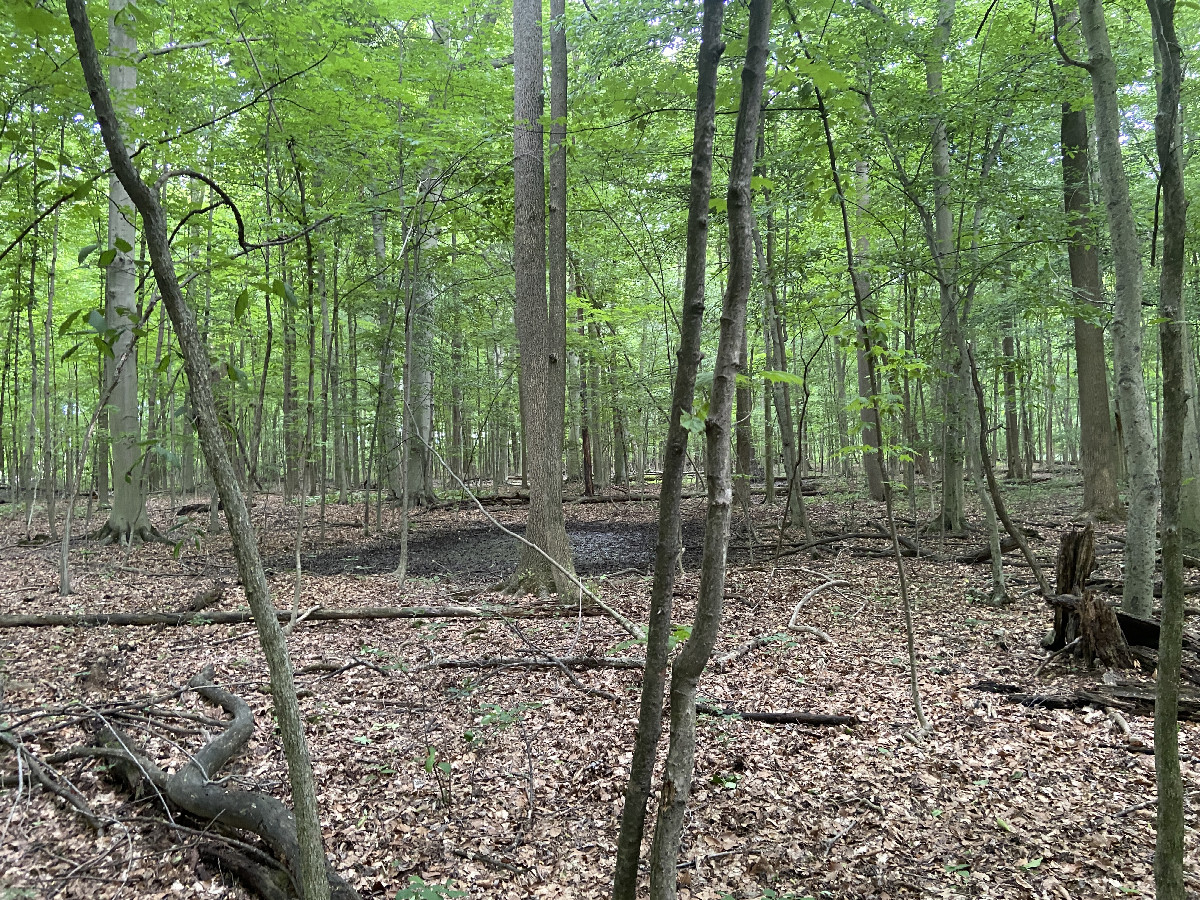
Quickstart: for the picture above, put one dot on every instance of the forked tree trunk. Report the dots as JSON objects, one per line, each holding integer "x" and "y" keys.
{"x": 1141, "y": 455}
{"x": 541, "y": 326}
{"x": 668, "y": 546}
{"x": 314, "y": 883}
{"x": 690, "y": 663}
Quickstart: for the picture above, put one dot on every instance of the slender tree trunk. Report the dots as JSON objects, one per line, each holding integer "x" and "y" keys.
{"x": 1169, "y": 844}
{"x": 314, "y": 884}
{"x": 668, "y": 547}
{"x": 872, "y": 459}
{"x": 1140, "y": 452}
{"x": 953, "y": 516}
{"x": 690, "y": 663}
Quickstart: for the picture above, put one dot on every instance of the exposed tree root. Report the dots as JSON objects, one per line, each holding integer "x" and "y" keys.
{"x": 138, "y": 533}
{"x": 192, "y": 791}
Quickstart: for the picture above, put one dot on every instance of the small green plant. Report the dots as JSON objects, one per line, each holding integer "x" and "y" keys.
{"x": 442, "y": 773}
{"x": 420, "y": 889}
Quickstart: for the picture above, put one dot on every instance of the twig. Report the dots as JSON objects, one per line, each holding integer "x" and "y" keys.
{"x": 1057, "y": 653}
{"x": 748, "y": 647}
{"x": 809, "y": 596}
{"x": 68, "y": 794}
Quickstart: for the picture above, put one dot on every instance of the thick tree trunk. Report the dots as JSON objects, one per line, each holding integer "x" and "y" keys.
{"x": 312, "y": 867}
{"x": 127, "y": 520}
{"x": 952, "y": 517}
{"x": 690, "y": 663}
{"x": 1140, "y": 452}
{"x": 1169, "y": 843}
{"x": 668, "y": 547}
{"x": 1098, "y": 445}
{"x": 541, "y": 326}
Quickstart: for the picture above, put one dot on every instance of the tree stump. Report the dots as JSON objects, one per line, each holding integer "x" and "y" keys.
{"x": 1076, "y": 559}
{"x": 1103, "y": 640}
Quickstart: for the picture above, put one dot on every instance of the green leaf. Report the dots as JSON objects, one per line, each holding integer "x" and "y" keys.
{"x": 775, "y": 377}
{"x": 107, "y": 257}
{"x": 96, "y": 321}
{"x": 241, "y": 305}
{"x": 68, "y": 322}
{"x": 85, "y": 252}
{"x": 123, "y": 245}
{"x": 1030, "y": 864}
{"x": 693, "y": 423}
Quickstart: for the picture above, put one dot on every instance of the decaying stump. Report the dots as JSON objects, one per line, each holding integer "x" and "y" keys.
{"x": 1079, "y": 612}
{"x": 1076, "y": 559}
{"x": 1103, "y": 640}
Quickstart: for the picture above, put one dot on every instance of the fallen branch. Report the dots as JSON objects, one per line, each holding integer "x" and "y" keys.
{"x": 779, "y": 718}
{"x": 525, "y": 662}
{"x": 136, "y": 619}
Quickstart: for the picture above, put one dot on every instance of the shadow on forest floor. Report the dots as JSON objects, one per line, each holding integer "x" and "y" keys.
{"x": 482, "y": 553}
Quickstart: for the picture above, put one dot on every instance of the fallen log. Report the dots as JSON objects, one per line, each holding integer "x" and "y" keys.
{"x": 242, "y": 617}
{"x": 779, "y": 718}
{"x": 984, "y": 554}
{"x": 1130, "y": 697}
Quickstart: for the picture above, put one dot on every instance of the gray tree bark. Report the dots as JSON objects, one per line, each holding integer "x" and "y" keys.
{"x": 689, "y": 664}
{"x": 541, "y": 326}
{"x": 1141, "y": 454}
{"x": 127, "y": 521}
{"x": 668, "y": 547}
{"x": 1169, "y": 842}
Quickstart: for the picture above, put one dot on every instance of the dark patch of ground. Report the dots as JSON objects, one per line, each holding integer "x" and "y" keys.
{"x": 482, "y": 554}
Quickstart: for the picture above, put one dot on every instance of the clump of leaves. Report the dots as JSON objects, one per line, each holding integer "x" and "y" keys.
{"x": 420, "y": 889}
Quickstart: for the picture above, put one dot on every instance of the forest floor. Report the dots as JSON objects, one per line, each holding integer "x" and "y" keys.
{"x": 507, "y": 782}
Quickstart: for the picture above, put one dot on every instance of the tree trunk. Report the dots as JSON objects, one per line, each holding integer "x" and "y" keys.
{"x": 1098, "y": 446}
{"x": 690, "y": 663}
{"x": 314, "y": 884}
{"x": 668, "y": 547}
{"x": 953, "y": 517}
{"x": 1012, "y": 426}
{"x": 1169, "y": 844}
{"x": 872, "y": 459}
{"x": 1140, "y": 452}
{"x": 127, "y": 520}
{"x": 541, "y": 326}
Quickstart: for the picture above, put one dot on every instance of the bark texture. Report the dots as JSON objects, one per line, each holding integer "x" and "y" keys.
{"x": 1098, "y": 444}
{"x": 1141, "y": 454}
{"x": 694, "y": 656}
{"x": 127, "y": 520}
{"x": 668, "y": 546}
{"x": 541, "y": 328}
{"x": 1169, "y": 843}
